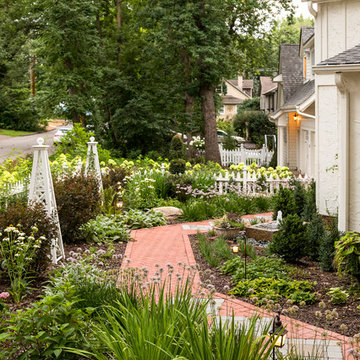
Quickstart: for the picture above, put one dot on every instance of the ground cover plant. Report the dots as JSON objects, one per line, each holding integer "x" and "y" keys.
{"x": 303, "y": 290}
{"x": 105, "y": 228}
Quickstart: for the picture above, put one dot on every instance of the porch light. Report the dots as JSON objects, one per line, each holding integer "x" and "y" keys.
{"x": 297, "y": 117}
{"x": 278, "y": 330}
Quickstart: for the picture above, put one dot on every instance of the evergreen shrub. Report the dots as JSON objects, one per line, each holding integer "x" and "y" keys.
{"x": 284, "y": 201}
{"x": 315, "y": 231}
{"x": 310, "y": 205}
{"x": 288, "y": 243}
{"x": 177, "y": 148}
{"x": 177, "y": 166}
{"x": 327, "y": 245}
{"x": 299, "y": 198}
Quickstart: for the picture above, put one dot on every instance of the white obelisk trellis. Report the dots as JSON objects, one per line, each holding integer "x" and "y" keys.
{"x": 92, "y": 161}
{"x": 42, "y": 191}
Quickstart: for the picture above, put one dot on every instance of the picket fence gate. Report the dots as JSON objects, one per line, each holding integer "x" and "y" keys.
{"x": 261, "y": 157}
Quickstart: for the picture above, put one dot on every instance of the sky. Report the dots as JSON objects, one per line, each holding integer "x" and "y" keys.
{"x": 302, "y": 8}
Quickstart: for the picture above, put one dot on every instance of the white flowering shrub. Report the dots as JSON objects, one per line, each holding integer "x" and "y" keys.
{"x": 140, "y": 192}
{"x": 17, "y": 251}
{"x": 197, "y": 142}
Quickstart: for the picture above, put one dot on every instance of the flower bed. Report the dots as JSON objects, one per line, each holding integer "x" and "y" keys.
{"x": 330, "y": 309}
{"x": 105, "y": 256}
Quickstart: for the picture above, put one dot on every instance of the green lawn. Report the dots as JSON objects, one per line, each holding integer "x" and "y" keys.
{"x": 14, "y": 132}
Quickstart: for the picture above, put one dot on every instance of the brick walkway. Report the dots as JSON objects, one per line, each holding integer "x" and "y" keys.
{"x": 157, "y": 247}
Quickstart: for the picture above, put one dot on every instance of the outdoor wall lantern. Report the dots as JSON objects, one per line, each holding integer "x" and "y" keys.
{"x": 297, "y": 117}
{"x": 278, "y": 331}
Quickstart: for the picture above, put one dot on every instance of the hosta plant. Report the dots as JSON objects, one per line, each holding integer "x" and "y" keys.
{"x": 347, "y": 255}
{"x": 116, "y": 227}
{"x": 338, "y": 296}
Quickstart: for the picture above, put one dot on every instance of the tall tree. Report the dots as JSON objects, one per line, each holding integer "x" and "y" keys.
{"x": 17, "y": 108}
{"x": 211, "y": 39}
{"x": 68, "y": 47}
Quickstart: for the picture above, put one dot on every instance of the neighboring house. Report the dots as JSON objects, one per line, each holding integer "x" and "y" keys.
{"x": 337, "y": 88}
{"x": 268, "y": 94}
{"x": 294, "y": 112}
{"x": 236, "y": 92}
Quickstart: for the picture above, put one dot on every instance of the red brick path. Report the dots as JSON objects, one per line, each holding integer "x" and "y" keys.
{"x": 155, "y": 248}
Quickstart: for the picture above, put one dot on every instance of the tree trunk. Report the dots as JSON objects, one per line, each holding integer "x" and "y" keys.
{"x": 32, "y": 75}
{"x": 189, "y": 100}
{"x": 212, "y": 152}
{"x": 118, "y": 13}
{"x": 189, "y": 110}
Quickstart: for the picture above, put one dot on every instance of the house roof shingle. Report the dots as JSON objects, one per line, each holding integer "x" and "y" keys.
{"x": 348, "y": 57}
{"x": 267, "y": 84}
{"x": 302, "y": 93}
{"x": 291, "y": 68}
{"x": 307, "y": 32}
{"x": 246, "y": 84}
{"x": 231, "y": 100}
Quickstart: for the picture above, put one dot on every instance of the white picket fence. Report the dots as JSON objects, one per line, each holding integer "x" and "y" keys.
{"x": 261, "y": 157}
{"x": 14, "y": 189}
{"x": 251, "y": 184}
{"x": 22, "y": 186}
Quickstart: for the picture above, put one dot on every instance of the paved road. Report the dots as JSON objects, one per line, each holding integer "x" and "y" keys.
{"x": 11, "y": 147}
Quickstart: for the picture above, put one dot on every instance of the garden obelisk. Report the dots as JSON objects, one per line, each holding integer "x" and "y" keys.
{"x": 42, "y": 191}
{"x": 92, "y": 161}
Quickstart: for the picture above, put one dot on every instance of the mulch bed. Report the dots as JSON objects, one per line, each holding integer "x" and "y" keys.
{"x": 348, "y": 312}
{"x": 36, "y": 291}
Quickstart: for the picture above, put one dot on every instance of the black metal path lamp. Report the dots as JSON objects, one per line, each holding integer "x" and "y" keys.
{"x": 278, "y": 331}
{"x": 235, "y": 249}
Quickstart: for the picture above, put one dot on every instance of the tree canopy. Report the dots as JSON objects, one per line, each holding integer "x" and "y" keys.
{"x": 135, "y": 69}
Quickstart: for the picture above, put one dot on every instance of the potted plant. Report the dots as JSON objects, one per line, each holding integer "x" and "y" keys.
{"x": 229, "y": 226}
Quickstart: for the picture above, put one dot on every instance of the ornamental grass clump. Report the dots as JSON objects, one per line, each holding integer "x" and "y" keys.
{"x": 17, "y": 252}
{"x": 154, "y": 323}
